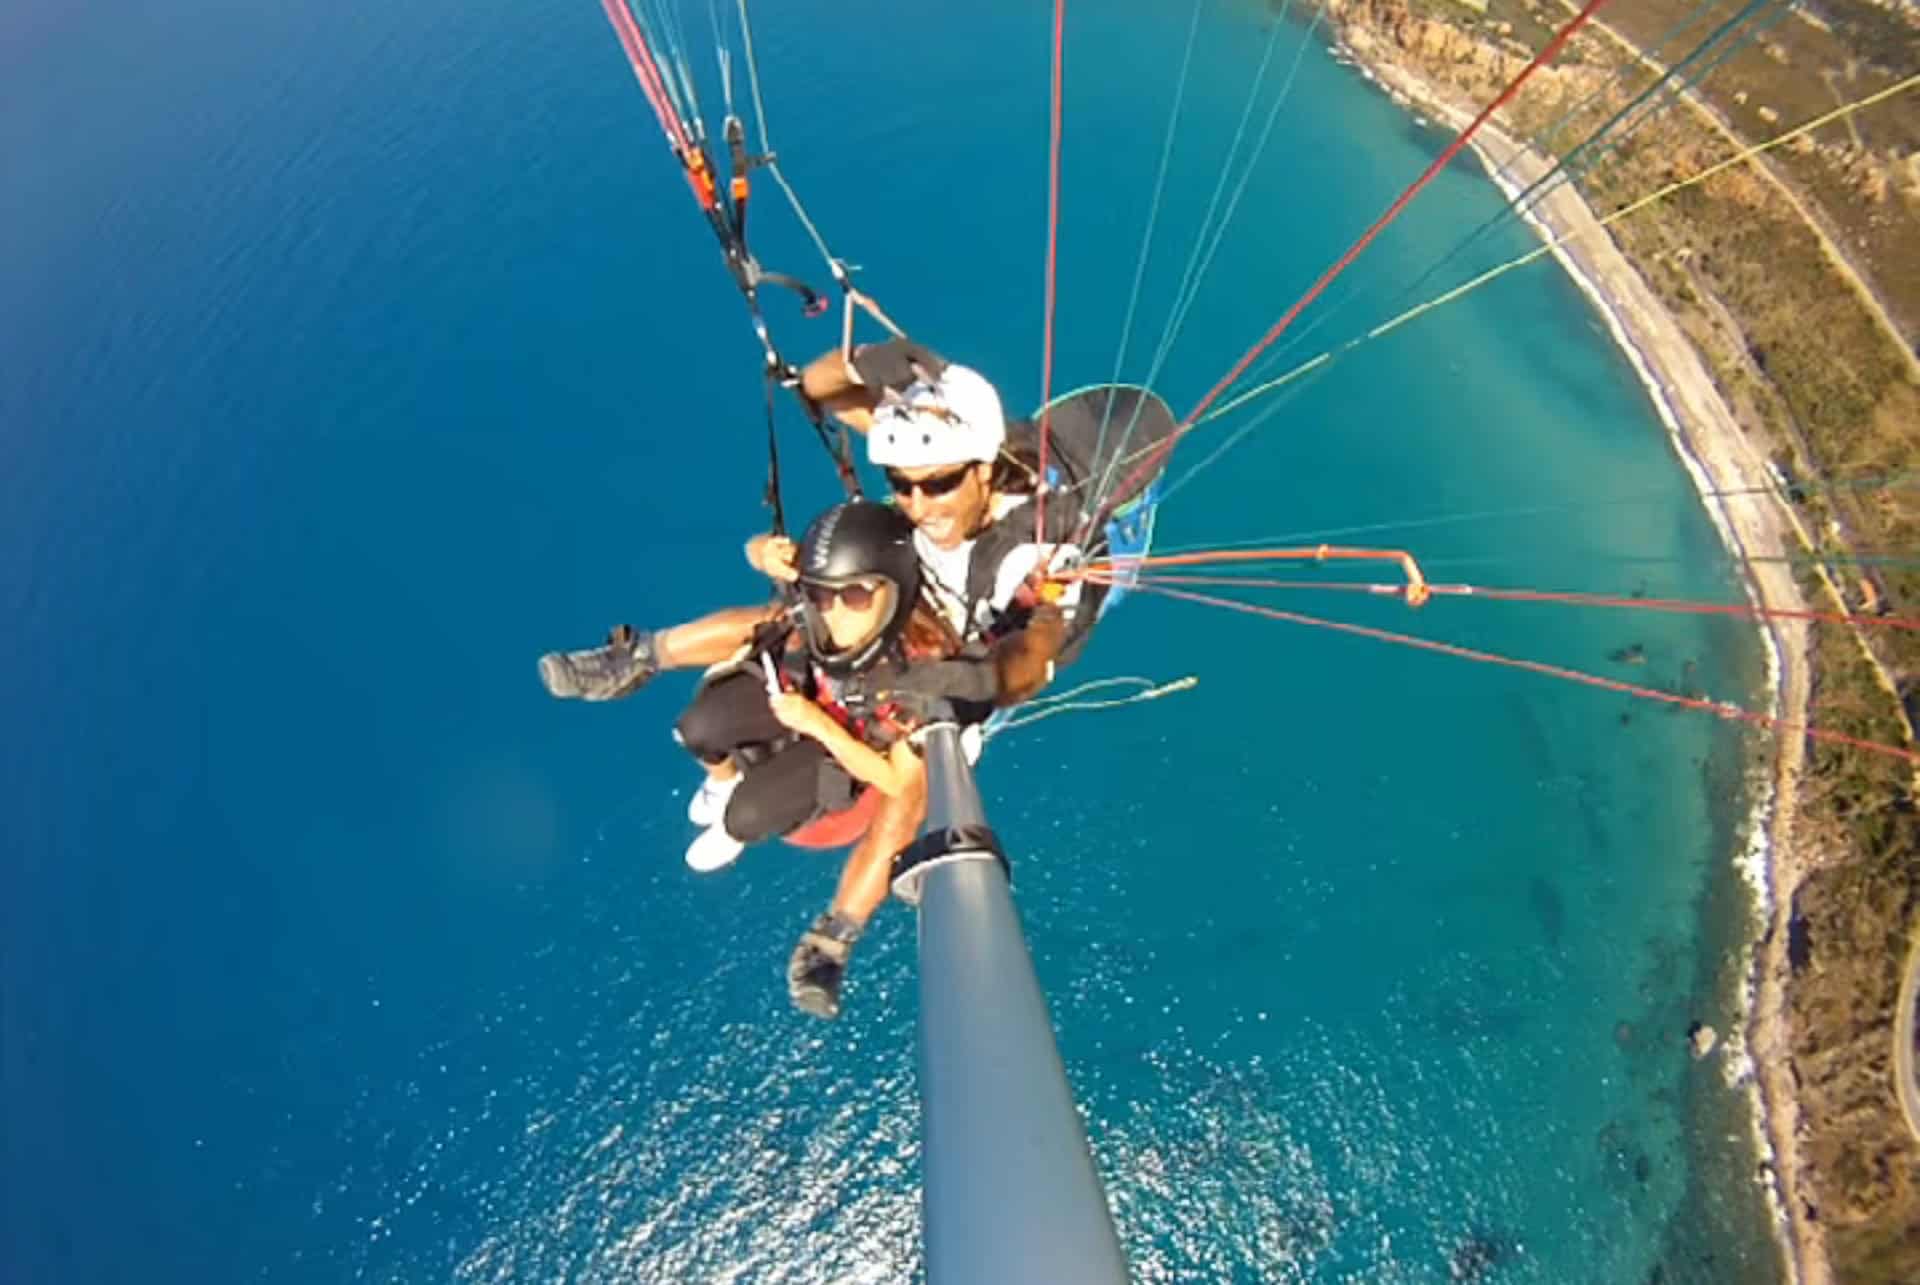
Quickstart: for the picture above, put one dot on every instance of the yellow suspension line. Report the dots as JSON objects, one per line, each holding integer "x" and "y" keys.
{"x": 1554, "y": 244}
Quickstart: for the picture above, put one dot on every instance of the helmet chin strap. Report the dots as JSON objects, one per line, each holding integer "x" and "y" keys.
{"x": 868, "y": 652}
{"x": 848, "y": 660}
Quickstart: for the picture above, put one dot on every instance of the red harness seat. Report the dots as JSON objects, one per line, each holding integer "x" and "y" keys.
{"x": 840, "y": 829}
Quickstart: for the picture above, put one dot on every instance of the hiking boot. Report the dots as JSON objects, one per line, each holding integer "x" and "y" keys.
{"x": 819, "y": 965}
{"x": 606, "y": 673}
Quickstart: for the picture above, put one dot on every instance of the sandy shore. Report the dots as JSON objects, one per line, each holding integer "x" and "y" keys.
{"x": 1720, "y": 457}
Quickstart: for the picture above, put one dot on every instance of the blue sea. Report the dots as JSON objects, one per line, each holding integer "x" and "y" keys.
{"x": 354, "y": 354}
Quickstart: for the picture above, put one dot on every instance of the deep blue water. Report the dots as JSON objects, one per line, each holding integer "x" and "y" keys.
{"x": 355, "y": 354}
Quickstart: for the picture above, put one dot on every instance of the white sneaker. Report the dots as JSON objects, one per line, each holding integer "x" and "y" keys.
{"x": 714, "y": 849}
{"x": 709, "y": 802}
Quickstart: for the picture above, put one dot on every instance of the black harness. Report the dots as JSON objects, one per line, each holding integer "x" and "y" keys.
{"x": 1065, "y": 516}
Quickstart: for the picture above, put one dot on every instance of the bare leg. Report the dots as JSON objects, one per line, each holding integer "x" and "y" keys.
{"x": 819, "y": 962}
{"x": 867, "y": 876}
{"x": 631, "y": 656}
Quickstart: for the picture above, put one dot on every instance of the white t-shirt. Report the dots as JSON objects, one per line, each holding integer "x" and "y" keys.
{"x": 946, "y": 572}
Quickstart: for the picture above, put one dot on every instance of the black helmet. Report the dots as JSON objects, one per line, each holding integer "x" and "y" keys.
{"x": 853, "y": 545}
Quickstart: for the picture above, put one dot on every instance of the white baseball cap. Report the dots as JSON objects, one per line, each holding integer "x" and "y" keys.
{"x": 954, "y": 419}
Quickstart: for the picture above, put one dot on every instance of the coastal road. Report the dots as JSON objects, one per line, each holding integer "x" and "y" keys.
{"x": 1903, "y": 1033}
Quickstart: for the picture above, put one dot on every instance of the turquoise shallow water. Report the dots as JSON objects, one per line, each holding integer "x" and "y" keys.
{"x": 366, "y": 352}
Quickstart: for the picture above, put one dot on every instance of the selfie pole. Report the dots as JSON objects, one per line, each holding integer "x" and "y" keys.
{"x": 1011, "y": 1194}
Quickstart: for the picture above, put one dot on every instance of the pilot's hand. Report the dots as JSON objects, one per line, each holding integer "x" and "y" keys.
{"x": 1049, "y": 579}
{"x": 897, "y": 364}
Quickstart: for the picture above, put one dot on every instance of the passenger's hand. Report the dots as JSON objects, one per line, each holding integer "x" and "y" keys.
{"x": 798, "y": 714}
{"x": 774, "y": 556}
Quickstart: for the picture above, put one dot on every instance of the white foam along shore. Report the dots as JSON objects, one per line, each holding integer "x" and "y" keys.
{"x": 1720, "y": 458}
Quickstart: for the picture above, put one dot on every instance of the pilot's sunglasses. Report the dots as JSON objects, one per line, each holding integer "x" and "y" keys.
{"x": 855, "y": 597}
{"x": 939, "y": 484}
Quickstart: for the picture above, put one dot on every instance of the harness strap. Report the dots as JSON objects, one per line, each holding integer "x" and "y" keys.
{"x": 773, "y": 463}
{"x": 1002, "y": 537}
{"x": 687, "y": 140}
{"x": 795, "y": 673}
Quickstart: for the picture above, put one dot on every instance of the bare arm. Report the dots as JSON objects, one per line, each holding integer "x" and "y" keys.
{"x": 829, "y": 385}
{"x": 851, "y": 391}
{"x": 892, "y": 773}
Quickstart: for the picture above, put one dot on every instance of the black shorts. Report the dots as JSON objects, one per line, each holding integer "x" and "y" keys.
{"x": 787, "y": 780}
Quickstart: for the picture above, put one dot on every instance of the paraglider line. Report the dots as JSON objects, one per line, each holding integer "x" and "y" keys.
{"x": 1539, "y": 252}
{"x": 1153, "y": 221}
{"x": 1074, "y": 702}
{"x": 647, "y": 72}
{"x": 773, "y": 159}
{"x": 1881, "y": 481}
{"x": 1674, "y": 606}
{"x": 1393, "y": 211}
{"x": 1440, "y": 162}
{"x": 1184, "y": 304}
{"x": 1568, "y": 167}
{"x": 1192, "y": 276}
{"x": 1053, "y": 259}
{"x": 1719, "y": 709}
{"x": 1206, "y": 246}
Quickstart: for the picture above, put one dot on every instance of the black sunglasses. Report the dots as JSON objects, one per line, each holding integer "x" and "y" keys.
{"x": 939, "y": 484}
{"x": 856, "y": 597}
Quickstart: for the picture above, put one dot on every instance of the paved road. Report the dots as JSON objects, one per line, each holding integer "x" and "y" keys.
{"x": 1907, "y": 1081}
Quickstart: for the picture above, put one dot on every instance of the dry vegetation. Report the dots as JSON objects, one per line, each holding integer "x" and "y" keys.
{"x": 1849, "y": 939}
{"x": 1861, "y": 173}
